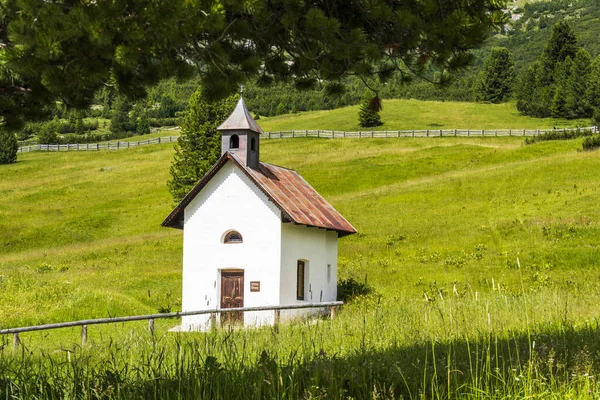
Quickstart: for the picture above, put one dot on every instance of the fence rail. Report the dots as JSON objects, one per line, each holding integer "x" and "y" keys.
{"x": 414, "y": 133}
{"x": 151, "y": 317}
{"x": 96, "y": 146}
{"x": 311, "y": 133}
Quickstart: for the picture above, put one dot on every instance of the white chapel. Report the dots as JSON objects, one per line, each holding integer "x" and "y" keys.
{"x": 254, "y": 234}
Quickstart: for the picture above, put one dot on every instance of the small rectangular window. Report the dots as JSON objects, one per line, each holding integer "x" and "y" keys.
{"x": 328, "y": 273}
{"x": 300, "y": 281}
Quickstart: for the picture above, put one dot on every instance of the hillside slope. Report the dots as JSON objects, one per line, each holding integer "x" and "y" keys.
{"x": 80, "y": 233}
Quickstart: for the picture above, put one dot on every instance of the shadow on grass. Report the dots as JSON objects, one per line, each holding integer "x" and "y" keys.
{"x": 559, "y": 359}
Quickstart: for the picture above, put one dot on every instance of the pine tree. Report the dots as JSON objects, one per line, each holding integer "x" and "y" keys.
{"x": 592, "y": 93}
{"x": 368, "y": 112}
{"x": 495, "y": 81}
{"x": 562, "y": 78}
{"x": 562, "y": 44}
{"x": 199, "y": 145}
{"x": 9, "y": 146}
{"x": 120, "y": 121}
{"x": 577, "y": 84}
{"x": 69, "y": 50}
{"x": 143, "y": 125}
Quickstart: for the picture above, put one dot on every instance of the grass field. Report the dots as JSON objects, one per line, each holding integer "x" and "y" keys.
{"x": 484, "y": 254}
{"x": 414, "y": 114}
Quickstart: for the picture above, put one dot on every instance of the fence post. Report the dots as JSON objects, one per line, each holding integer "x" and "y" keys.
{"x": 427, "y": 132}
{"x": 151, "y": 326}
{"x": 359, "y": 134}
{"x": 483, "y": 132}
{"x": 455, "y": 132}
{"x": 510, "y": 132}
{"x": 83, "y": 335}
{"x": 440, "y": 133}
{"x": 468, "y": 132}
{"x": 333, "y": 310}
{"x": 16, "y": 341}
{"x": 276, "y": 319}
{"x": 413, "y": 133}
{"x": 158, "y": 141}
{"x": 496, "y": 132}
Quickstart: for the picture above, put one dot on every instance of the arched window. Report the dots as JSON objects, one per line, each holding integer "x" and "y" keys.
{"x": 234, "y": 142}
{"x": 253, "y": 144}
{"x": 233, "y": 237}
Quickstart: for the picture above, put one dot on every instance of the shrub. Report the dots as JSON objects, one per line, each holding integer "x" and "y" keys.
{"x": 566, "y": 134}
{"x": 8, "y": 147}
{"x": 349, "y": 288}
{"x": 591, "y": 142}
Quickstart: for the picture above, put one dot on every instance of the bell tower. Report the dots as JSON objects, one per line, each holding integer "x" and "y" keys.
{"x": 240, "y": 135}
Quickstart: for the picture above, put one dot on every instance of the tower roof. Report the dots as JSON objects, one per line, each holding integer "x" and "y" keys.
{"x": 240, "y": 119}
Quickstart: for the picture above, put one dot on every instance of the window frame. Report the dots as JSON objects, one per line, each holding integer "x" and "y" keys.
{"x": 227, "y": 237}
{"x": 234, "y": 139}
{"x": 300, "y": 280}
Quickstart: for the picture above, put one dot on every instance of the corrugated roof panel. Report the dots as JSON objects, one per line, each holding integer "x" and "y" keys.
{"x": 288, "y": 190}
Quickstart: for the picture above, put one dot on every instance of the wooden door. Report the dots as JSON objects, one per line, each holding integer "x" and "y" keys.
{"x": 232, "y": 295}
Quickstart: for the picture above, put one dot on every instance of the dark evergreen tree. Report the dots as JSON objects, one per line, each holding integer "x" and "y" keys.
{"x": 368, "y": 112}
{"x": 143, "y": 125}
{"x": 199, "y": 145}
{"x": 562, "y": 44}
{"x": 120, "y": 121}
{"x": 577, "y": 84}
{"x": 534, "y": 94}
{"x": 496, "y": 79}
{"x": 562, "y": 75}
{"x": 48, "y": 132}
{"x": 592, "y": 93}
{"x": 9, "y": 146}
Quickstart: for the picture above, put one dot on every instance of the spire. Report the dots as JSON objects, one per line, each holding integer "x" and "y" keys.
{"x": 240, "y": 119}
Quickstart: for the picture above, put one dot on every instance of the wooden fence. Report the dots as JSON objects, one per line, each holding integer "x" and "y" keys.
{"x": 96, "y": 146}
{"x": 310, "y": 133}
{"x": 333, "y": 305}
{"x": 414, "y": 133}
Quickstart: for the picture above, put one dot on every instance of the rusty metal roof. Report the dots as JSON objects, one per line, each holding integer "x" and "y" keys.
{"x": 240, "y": 119}
{"x": 297, "y": 200}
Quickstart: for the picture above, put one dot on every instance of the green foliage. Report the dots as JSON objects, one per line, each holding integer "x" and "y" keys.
{"x": 120, "y": 121}
{"x": 91, "y": 44}
{"x": 591, "y": 142}
{"x": 143, "y": 124}
{"x": 368, "y": 112}
{"x": 349, "y": 289}
{"x": 562, "y": 44}
{"x": 8, "y": 147}
{"x": 199, "y": 145}
{"x": 561, "y": 82}
{"x": 565, "y": 134}
{"x": 48, "y": 132}
{"x": 495, "y": 81}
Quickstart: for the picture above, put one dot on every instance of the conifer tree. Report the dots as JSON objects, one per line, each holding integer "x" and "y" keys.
{"x": 199, "y": 145}
{"x": 9, "y": 146}
{"x": 562, "y": 44}
{"x": 577, "y": 84}
{"x": 495, "y": 81}
{"x": 68, "y": 50}
{"x": 368, "y": 112}
{"x": 592, "y": 93}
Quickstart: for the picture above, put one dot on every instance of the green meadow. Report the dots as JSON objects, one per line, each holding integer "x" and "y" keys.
{"x": 400, "y": 114}
{"x": 483, "y": 255}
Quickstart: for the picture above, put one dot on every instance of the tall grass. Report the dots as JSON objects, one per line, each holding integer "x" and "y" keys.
{"x": 493, "y": 346}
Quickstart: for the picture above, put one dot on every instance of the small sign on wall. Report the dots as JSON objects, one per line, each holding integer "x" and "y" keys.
{"x": 255, "y": 286}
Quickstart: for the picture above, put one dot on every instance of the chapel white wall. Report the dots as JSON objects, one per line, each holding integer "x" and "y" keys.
{"x": 230, "y": 201}
{"x": 318, "y": 248}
